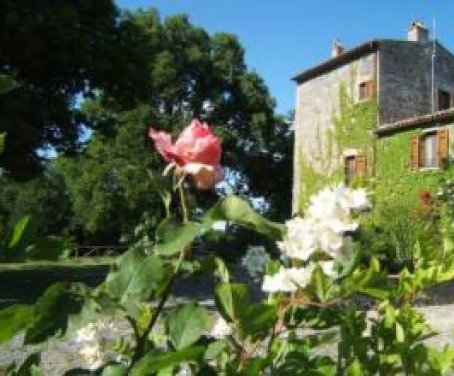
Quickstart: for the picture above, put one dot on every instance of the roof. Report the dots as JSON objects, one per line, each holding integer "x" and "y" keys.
{"x": 333, "y": 63}
{"x": 415, "y": 122}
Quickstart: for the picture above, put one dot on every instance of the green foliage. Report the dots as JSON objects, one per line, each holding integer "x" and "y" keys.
{"x": 24, "y": 245}
{"x": 134, "y": 279}
{"x": 157, "y": 360}
{"x": 186, "y": 324}
{"x": 232, "y": 208}
{"x": 52, "y": 311}
{"x": 352, "y": 127}
{"x": 13, "y": 319}
{"x": 44, "y": 199}
{"x": 114, "y": 370}
{"x": 279, "y": 335}
{"x": 37, "y": 100}
{"x": 173, "y": 236}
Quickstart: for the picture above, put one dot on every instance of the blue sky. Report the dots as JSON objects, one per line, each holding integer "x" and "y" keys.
{"x": 284, "y": 37}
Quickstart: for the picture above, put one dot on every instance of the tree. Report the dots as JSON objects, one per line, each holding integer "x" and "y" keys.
{"x": 174, "y": 72}
{"x": 44, "y": 198}
{"x": 109, "y": 185}
{"x": 54, "y": 51}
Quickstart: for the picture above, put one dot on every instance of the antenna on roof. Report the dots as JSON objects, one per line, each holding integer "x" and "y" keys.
{"x": 433, "y": 64}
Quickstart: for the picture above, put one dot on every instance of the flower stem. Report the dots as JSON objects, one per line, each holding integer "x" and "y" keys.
{"x": 184, "y": 209}
{"x": 142, "y": 340}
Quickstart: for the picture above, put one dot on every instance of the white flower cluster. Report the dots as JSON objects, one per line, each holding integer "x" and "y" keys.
{"x": 221, "y": 328}
{"x": 95, "y": 342}
{"x": 290, "y": 279}
{"x": 328, "y": 219}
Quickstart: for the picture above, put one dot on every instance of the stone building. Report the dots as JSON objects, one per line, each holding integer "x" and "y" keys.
{"x": 380, "y": 111}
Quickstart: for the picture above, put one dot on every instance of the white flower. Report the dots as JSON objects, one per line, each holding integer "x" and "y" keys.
{"x": 94, "y": 342}
{"x": 337, "y": 202}
{"x": 287, "y": 279}
{"x": 328, "y": 268}
{"x": 300, "y": 241}
{"x": 355, "y": 199}
{"x": 221, "y": 328}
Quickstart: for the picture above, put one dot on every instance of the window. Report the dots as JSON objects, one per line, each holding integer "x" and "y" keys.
{"x": 366, "y": 90}
{"x": 444, "y": 100}
{"x": 355, "y": 166}
{"x": 429, "y": 149}
{"x": 349, "y": 170}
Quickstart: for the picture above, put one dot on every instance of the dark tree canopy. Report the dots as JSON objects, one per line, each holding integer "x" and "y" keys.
{"x": 53, "y": 50}
{"x": 135, "y": 70}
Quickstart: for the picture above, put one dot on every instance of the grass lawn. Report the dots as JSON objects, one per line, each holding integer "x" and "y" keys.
{"x": 24, "y": 282}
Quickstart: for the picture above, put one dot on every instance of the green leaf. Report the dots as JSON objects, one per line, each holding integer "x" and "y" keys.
{"x": 154, "y": 360}
{"x": 232, "y": 299}
{"x": 22, "y": 232}
{"x": 254, "y": 367}
{"x": 400, "y": 333}
{"x": 160, "y": 185}
{"x": 172, "y": 236}
{"x": 216, "y": 348}
{"x": 355, "y": 369}
{"x": 13, "y": 320}
{"x": 115, "y": 370}
{"x": 186, "y": 324}
{"x": 258, "y": 319}
{"x": 49, "y": 248}
{"x": 238, "y": 211}
{"x": 53, "y": 309}
{"x": 134, "y": 278}
{"x": 321, "y": 285}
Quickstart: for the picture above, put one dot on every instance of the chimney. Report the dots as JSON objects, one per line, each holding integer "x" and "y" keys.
{"x": 337, "y": 48}
{"x": 418, "y": 32}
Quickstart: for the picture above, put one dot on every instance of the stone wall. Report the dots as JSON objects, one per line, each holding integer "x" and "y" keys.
{"x": 405, "y": 78}
{"x": 317, "y": 101}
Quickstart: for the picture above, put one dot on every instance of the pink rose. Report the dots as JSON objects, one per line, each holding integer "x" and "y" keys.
{"x": 197, "y": 152}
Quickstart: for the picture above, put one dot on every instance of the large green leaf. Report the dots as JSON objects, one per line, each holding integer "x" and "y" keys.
{"x": 155, "y": 360}
{"x": 237, "y": 210}
{"x": 172, "y": 236}
{"x": 134, "y": 278}
{"x": 53, "y": 309}
{"x": 49, "y": 248}
{"x": 232, "y": 299}
{"x": 13, "y": 320}
{"x": 186, "y": 324}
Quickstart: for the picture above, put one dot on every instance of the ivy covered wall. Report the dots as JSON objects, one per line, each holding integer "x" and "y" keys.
{"x": 389, "y": 175}
{"x": 353, "y": 124}
{"x": 394, "y": 178}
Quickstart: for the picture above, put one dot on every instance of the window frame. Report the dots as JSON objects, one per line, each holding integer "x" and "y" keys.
{"x": 440, "y": 153}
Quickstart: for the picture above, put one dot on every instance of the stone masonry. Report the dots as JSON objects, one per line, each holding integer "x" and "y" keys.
{"x": 401, "y": 72}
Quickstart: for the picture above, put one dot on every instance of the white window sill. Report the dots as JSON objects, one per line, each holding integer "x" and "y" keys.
{"x": 428, "y": 168}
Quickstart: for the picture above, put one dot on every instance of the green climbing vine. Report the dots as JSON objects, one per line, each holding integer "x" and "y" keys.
{"x": 352, "y": 126}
